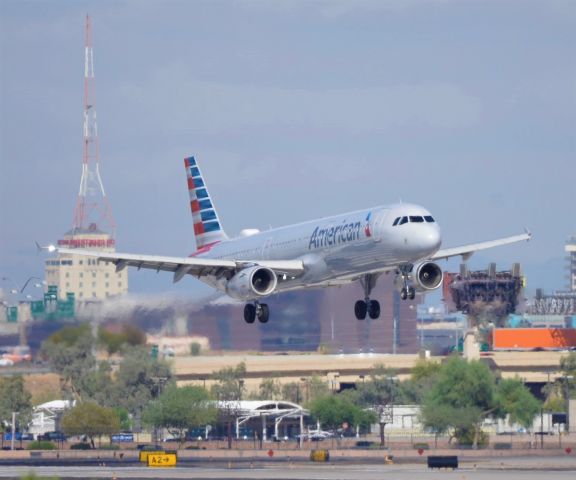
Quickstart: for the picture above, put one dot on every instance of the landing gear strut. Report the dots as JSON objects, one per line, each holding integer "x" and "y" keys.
{"x": 367, "y": 306}
{"x": 256, "y": 310}
{"x": 407, "y": 291}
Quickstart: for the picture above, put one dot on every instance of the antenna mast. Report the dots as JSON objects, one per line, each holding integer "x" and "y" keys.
{"x": 92, "y": 206}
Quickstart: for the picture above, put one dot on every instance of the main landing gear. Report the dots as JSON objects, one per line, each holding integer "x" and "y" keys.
{"x": 367, "y": 306}
{"x": 253, "y": 311}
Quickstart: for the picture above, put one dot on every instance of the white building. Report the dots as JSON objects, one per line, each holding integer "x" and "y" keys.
{"x": 85, "y": 277}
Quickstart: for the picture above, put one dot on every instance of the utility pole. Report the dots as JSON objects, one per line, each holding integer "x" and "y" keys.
{"x": 13, "y": 431}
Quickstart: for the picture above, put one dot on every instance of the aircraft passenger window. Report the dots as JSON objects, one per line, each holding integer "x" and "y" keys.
{"x": 429, "y": 219}
{"x": 404, "y": 220}
{"x": 396, "y": 222}
{"x": 416, "y": 219}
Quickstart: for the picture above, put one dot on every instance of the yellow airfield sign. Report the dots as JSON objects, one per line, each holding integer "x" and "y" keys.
{"x": 144, "y": 455}
{"x": 161, "y": 459}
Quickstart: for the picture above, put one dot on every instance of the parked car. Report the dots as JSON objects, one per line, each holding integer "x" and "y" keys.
{"x": 52, "y": 437}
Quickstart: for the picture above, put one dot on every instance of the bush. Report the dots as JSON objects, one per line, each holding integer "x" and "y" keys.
{"x": 195, "y": 349}
{"x": 503, "y": 446}
{"x": 465, "y": 438}
{"x": 80, "y": 446}
{"x": 422, "y": 445}
{"x": 41, "y": 445}
{"x": 110, "y": 446}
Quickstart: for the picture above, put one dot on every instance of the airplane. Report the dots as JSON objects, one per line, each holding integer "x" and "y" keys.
{"x": 358, "y": 246}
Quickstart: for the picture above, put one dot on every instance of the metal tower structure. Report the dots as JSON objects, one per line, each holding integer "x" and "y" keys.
{"x": 92, "y": 206}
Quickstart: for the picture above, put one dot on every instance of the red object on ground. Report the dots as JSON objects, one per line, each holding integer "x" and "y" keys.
{"x": 270, "y": 453}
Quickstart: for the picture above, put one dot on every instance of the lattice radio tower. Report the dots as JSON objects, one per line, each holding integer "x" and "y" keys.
{"x": 92, "y": 207}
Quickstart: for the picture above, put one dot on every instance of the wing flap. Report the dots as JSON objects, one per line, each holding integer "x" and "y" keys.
{"x": 466, "y": 251}
{"x": 186, "y": 265}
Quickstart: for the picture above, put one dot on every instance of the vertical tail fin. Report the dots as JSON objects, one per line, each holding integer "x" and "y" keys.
{"x": 207, "y": 226}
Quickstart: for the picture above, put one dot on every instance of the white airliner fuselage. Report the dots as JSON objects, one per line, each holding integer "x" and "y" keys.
{"x": 356, "y": 246}
{"x": 336, "y": 248}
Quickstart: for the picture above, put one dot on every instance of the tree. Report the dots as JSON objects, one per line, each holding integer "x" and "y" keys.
{"x": 14, "y": 398}
{"x": 514, "y": 399}
{"x": 291, "y": 392}
{"x": 568, "y": 367}
{"x": 180, "y": 409}
{"x": 113, "y": 342}
{"x": 90, "y": 419}
{"x": 69, "y": 352}
{"x": 314, "y": 387}
{"x": 229, "y": 391}
{"x": 334, "y": 411}
{"x": 463, "y": 395}
{"x": 269, "y": 389}
{"x": 140, "y": 378}
{"x": 229, "y": 384}
{"x": 421, "y": 380}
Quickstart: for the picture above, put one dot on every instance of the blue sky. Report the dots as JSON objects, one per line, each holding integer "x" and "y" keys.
{"x": 294, "y": 110}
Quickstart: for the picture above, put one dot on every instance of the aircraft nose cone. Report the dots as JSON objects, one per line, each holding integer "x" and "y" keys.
{"x": 433, "y": 238}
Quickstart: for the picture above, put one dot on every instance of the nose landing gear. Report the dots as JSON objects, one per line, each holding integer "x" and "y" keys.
{"x": 407, "y": 292}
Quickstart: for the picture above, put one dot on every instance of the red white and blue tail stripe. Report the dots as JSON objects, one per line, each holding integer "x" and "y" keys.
{"x": 207, "y": 227}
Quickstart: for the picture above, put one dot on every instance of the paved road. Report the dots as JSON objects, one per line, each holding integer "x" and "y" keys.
{"x": 561, "y": 468}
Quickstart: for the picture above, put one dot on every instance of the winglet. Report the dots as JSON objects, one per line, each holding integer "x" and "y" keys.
{"x": 47, "y": 248}
{"x": 529, "y": 233}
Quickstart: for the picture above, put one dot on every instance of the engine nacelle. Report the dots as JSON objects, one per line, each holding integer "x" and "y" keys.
{"x": 427, "y": 276}
{"x": 251, "y": 283}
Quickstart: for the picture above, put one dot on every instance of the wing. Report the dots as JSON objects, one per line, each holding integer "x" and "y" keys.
{"x": 467, "y": 250}
{"x": 181, "y": 266}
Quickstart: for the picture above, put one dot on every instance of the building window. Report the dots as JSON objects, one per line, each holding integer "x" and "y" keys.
{"x": 80, "y": 262}
{"x": 94, "y": 294}
{"x": 67, "y": 274}
{"x": 107, "y": 285}
{"x": 93, "y": 284}
{"x": 93, "y": 274}
{"x": 107, "y": 275}
{"x": 80, "y": 294}
{"x": 119, "y": 284}
{"x": 81, "y": 275}
{"x": 81, "y": 285}
{"x": 67, "y": 284}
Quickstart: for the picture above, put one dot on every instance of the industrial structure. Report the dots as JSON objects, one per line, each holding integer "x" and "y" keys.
{"x": 486, "y": 296}
{"x": 93, "y": 225}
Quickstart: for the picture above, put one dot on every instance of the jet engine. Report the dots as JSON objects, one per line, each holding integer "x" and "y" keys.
{"x": 251, "y": 283}
{"x": 427, "y": 276}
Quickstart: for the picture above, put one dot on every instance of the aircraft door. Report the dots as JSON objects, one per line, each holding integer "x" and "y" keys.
{"x": 266, "y": 247}
{"x": 377, "y": 225}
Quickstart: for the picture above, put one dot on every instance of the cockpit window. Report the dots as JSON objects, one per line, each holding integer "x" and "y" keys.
{"x": 416, "y": 219}
{"x": 429, "y": 219}
{"x": 396, "y": 221}
{"x": 404, "y": 220}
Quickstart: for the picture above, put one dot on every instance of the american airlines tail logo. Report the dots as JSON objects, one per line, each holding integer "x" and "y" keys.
{"x": 367, "y": 228}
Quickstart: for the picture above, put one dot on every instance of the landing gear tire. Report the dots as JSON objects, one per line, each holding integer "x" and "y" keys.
{"x": 360, "y": 309}
{"x": 263, "y": 313}
{"x": 408, "y": 293}
{"x": 249, "y": 313}
{"x": 374, "y": 309}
